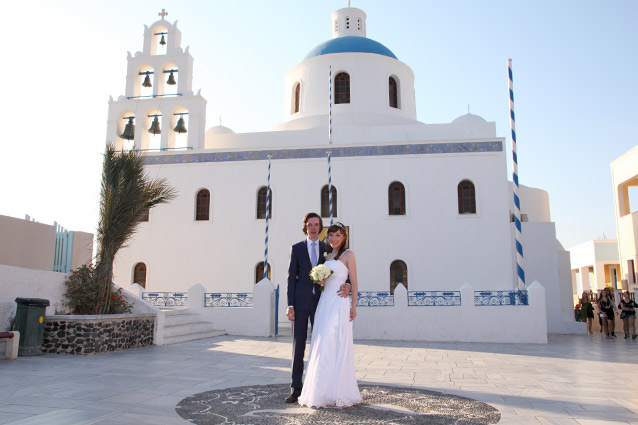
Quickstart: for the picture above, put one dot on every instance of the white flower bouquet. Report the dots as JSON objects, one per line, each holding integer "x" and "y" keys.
{"x": 320, "y": 273}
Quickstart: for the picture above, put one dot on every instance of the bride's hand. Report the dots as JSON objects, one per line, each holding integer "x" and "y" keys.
{"x": 353, "y": 313}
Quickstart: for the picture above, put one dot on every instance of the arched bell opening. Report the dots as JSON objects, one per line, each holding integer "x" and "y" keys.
{"x": 168, "y": 81}
{"x": 144, "y": 81}
{"x": 126, "y": 130}
{"x": 159, "y": 42}
{"x": 178, "y": 132}
{"x": 151, "y": 133}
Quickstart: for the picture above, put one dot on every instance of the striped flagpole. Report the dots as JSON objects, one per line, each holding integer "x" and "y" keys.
{"x": 330, "y": 106}
{"x": 330, "y": 186}
{"x": 517, "y": 202}
{"x": 267, "y": 218}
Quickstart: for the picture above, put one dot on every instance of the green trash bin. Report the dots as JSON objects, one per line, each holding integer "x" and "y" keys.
{"x": 30, "y": 323}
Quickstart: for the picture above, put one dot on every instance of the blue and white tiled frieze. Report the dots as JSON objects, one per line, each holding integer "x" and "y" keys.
{"x": 228, "y": 299}
{"x": 166, "y": 299}
{"x": 434, "y": 298}
{"x": 500, "y": 298}
{"x": 337, "y": 152}
{"x": 375, "y": 299}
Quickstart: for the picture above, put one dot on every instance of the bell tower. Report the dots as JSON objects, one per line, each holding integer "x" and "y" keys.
{"x": 158, "y": 110}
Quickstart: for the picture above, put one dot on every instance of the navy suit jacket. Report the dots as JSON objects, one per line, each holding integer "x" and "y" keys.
{"x": 300, "y": 285}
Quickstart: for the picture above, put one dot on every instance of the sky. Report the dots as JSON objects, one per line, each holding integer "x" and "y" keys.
{"x": 575, "y": 68}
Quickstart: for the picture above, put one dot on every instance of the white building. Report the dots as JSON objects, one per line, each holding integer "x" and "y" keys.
{"x": 427, "y": 205}
{"x": 624, "y": 173}
{"x": 594, "y": 265}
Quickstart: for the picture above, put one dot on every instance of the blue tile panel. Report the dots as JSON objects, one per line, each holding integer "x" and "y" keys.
{"x": 228, "y": 299}
{"x": 375, "y": 299}
{"x": 337, "y": 152}
{"x": 500, "y": 298}
{"x": 166, "y": 299}
{"x": 434, "y": 298}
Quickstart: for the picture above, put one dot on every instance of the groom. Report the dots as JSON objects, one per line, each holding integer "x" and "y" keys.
{"x": 303, "y": 295}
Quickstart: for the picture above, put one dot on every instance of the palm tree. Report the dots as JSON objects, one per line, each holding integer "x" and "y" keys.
{"x": 127, "y": 192}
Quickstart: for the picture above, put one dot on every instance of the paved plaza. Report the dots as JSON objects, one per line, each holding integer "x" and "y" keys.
{"x": 575, "y": 379}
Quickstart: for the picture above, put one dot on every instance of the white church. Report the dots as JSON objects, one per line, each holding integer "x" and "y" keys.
{"x": 428, "y": 206}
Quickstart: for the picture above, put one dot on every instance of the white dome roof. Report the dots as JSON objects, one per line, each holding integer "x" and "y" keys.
{"x": 219, "y": 129}
{"x": 468, "y": 118}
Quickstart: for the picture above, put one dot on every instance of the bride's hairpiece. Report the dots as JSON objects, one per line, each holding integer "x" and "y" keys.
{"x": 340, "y": 225}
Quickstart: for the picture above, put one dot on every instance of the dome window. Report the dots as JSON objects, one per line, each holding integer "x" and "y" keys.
{"x": 336, "y": 25}
{"x": 359, "y": 24}
{"x": 342, "y": 88}
{"x": 347, "y": 22}
{"x": 296, "y": 98}
{"x": 393, "y": 91}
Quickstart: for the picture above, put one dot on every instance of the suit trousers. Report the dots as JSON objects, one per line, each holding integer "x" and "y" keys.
{"x": 299, "y": 338}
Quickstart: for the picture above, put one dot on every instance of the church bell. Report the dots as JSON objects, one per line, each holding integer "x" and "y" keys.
{"x": 129, "y": 130}
{"x": 147, "y": 81}
{"x": 181, "y": 126}
{"x": 155, "y": 126}
{"x": 162, "y": 41}
{"x": 171, "y": 79}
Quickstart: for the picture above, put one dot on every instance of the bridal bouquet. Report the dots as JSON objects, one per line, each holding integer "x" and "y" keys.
{"x": 320, "y": 273}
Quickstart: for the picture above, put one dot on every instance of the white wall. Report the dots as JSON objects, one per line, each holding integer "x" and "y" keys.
{"x": 18, "y": 282}
{"x": 465, "y": 323}
{"x": 441, "y": 248}
{"x": 547, "y": 262}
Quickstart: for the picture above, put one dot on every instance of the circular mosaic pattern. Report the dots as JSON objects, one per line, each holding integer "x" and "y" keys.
{"x": 264, "y": 404}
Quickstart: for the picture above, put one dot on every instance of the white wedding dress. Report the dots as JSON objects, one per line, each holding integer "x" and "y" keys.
{"x": 330, "y": 376}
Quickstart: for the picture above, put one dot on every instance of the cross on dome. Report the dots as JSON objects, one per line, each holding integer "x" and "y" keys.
{"x": 164, "y": 13}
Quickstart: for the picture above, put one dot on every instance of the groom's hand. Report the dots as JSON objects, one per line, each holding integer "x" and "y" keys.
{"x": 344, "y": 290}
{"x": 290, "y": 313}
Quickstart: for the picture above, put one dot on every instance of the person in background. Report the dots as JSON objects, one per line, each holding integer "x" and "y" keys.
{"x": 587, "y": 312}
{"x": 628, "y": 315}
{"x": 606, "y": 312}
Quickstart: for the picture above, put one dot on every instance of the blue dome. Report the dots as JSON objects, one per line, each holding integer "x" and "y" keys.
{"x": 350, "y": 44}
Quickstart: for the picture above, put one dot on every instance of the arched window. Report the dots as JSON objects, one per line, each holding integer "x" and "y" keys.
{"x": 297, "y": 95}
{"x": 342, "y": 88}
{"x": 396, "y": 199}
{"x": 139, "y": 274}
{"x": 398, "y": 274}
{"x": 259, "y": 272}
{"x": 261, "y": 203}
{"x": 393, "y": 92}
{"x": 202, "y": 208}
{"x": 325, "y": 201}
{"x": 467, "y": 197}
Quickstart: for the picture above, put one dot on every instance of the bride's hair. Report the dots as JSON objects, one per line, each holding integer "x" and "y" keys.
{"x": 338, "y": 227}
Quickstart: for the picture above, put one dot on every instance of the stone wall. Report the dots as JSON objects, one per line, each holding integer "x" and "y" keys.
{"x": 97, "y": 334}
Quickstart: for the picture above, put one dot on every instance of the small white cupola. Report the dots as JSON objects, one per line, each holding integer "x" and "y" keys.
{"x": 349, "y": 21}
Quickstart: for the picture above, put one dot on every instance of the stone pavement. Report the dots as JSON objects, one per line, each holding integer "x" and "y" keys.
{"x": 575, "y": 379}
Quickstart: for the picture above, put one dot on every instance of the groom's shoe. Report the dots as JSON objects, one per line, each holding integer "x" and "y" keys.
{"x": 294, "y": 395}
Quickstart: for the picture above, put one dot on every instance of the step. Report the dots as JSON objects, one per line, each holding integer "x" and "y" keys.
{"x": 182, "y": 319}
{"x": 191, "y": 337}
{"x": 175, "y": 311}
{"x": 188, "y": 328}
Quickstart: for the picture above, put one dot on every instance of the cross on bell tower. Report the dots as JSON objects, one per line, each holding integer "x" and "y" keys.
{"x": 164, "y": 13}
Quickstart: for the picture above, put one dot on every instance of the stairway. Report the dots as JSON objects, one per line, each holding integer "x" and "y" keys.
{"x": 182, "y": 325}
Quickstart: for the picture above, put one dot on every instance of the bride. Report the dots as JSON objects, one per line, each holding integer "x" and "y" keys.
{"x": 330, "y": 377}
